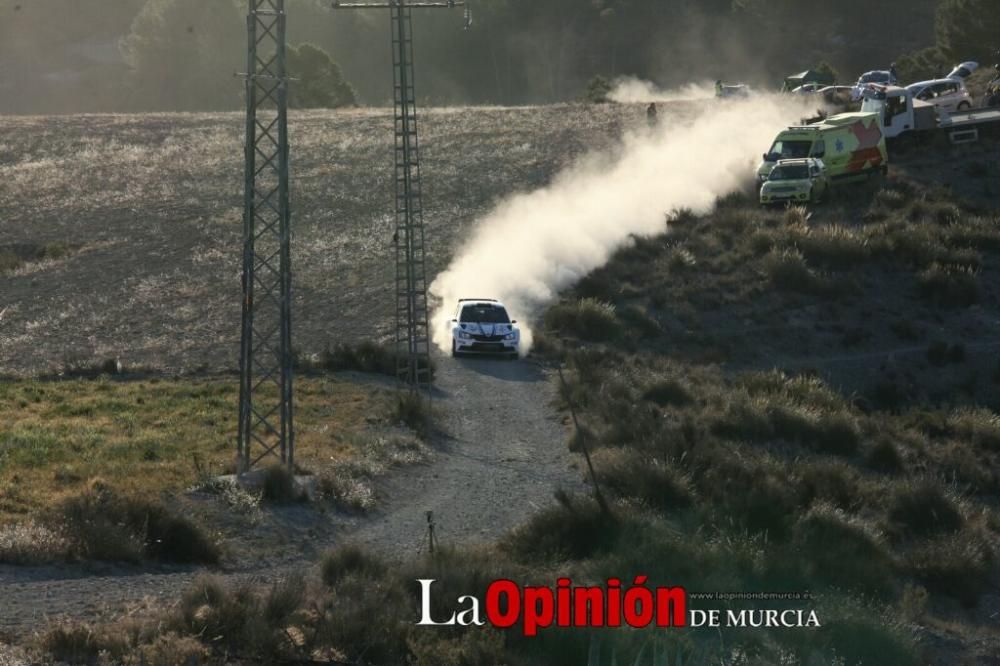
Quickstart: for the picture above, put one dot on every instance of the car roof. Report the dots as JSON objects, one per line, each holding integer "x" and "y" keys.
{"x": 930, "y": 82}
{"x": 799, "y": 161}
{"x": 480, "y": 301}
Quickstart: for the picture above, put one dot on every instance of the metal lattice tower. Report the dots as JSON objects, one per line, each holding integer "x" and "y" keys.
{"x": 412, "y": 334}
{"x": 412, "y": 337}
{"x": 265, "y": 427}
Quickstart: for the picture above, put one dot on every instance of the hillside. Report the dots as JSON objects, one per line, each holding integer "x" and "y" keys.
{"x": 148, "y": 213}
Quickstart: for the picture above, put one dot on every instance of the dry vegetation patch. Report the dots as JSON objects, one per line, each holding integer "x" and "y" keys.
{"x": 147, "y": 437}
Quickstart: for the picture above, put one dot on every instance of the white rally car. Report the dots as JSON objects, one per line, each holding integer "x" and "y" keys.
{"x": 482, "y": 325}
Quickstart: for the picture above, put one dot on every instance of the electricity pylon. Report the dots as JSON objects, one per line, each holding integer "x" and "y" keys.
{"x": 413, "y": 337}
{"x": 265, "y": 427}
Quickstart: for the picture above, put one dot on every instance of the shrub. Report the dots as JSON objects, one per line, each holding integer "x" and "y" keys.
{"x": 787, "y": 269}
{"x": 587, "y": 319}
{"x": 884, "y": 457}
{"x": 414, "y": 410}
{"x": 832, "y": 246}
{"x": 668, "y": 392}
{"x": 629, "y": 473}
{"x": 347, "y": 560}
{"x": 279, "y": 485}
{"x": 957, "y": 565}
{"x": 99, "y": 524}
{"x": 979, "y": 426}
{"x": 857, "y": 637}
{"x": 574, "y": 529}
{"x": 284, "y": 598}
{"x": 948, "y": 286}
{"x": 226, "y": 618}
{"x": 922, "y": 508}
{"x": 365, "y": 357}
{"x": 750, "y": 494}
{"x": 638, "y": 321}
{"x": 842, "y": 551}
{"x": 82, "y": 644}
{"x": 31, "y": 543}
{"x": 829, "y": 481}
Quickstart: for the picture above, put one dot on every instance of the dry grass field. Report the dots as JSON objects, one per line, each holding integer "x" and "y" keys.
{"x": 150, "y": 437}
{"x": 149, "y": 209}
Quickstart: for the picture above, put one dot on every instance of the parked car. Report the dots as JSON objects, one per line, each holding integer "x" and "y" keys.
{"x": 948, "y": 95}
{"x": 808, "y": 88}
{"x": 881, "y": 77}
{"x": 795, "y": 181}
{"x": 835, "y": 94}
{"x": 482, "y": 325}
{"x": 964, "y": 70}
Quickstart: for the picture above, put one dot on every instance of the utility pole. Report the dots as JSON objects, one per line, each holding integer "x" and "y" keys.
{"x": 412, "y": 337}
{"x": 265, "y": 426}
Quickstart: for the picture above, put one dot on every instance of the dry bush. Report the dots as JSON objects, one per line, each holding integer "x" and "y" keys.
{"x": 842, "y": 550}
{"x": 31, "y": 543}
{"x": 959, "y": 565}
{"x": 587, "y": 319}
{"x": 633, "y": 474}
{"x": 350, "y": 560}
{"x": 830, "y": 246}
{"x": 829, "y": 481}
{"x": 100, "y": 524}
{"x": 279, "y": 486}
{"x": 575, "y": 529}
{"x": 796, "y": 409}
{"x": 883, "y": 456}
{"x": 787, "y": 269}
{"x": 949, "y": 286}
{"x": 363, "y": 357}
{"x": 669, "y": 392}
{"x": 979, "y": 426}
{"x": 83, "y": 644}
{"x": 350, "y": 483}
{"x": 921, "y": 508}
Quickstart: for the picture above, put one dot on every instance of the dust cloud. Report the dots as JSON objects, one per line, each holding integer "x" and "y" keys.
{"x": 533, "y": 245}
{"x": 631, "y": 90}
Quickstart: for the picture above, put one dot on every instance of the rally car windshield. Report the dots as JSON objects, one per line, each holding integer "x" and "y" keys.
{"x": 484, "y": 314}
{"x": 788, "y": 172}
{"x": 783, "y": 150}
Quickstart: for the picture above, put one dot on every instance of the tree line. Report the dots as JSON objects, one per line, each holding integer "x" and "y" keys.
{"x": 138, "y": 55}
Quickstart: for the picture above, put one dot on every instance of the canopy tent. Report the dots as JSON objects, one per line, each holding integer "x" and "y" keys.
{"x": 809, "y": 76}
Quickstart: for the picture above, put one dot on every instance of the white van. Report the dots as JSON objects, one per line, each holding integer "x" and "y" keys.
{"x": 947, "y": 95}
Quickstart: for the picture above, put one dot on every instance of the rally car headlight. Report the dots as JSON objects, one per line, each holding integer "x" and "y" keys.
{"x": 510, "y": 336}
{"x": 462, "y": 335}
